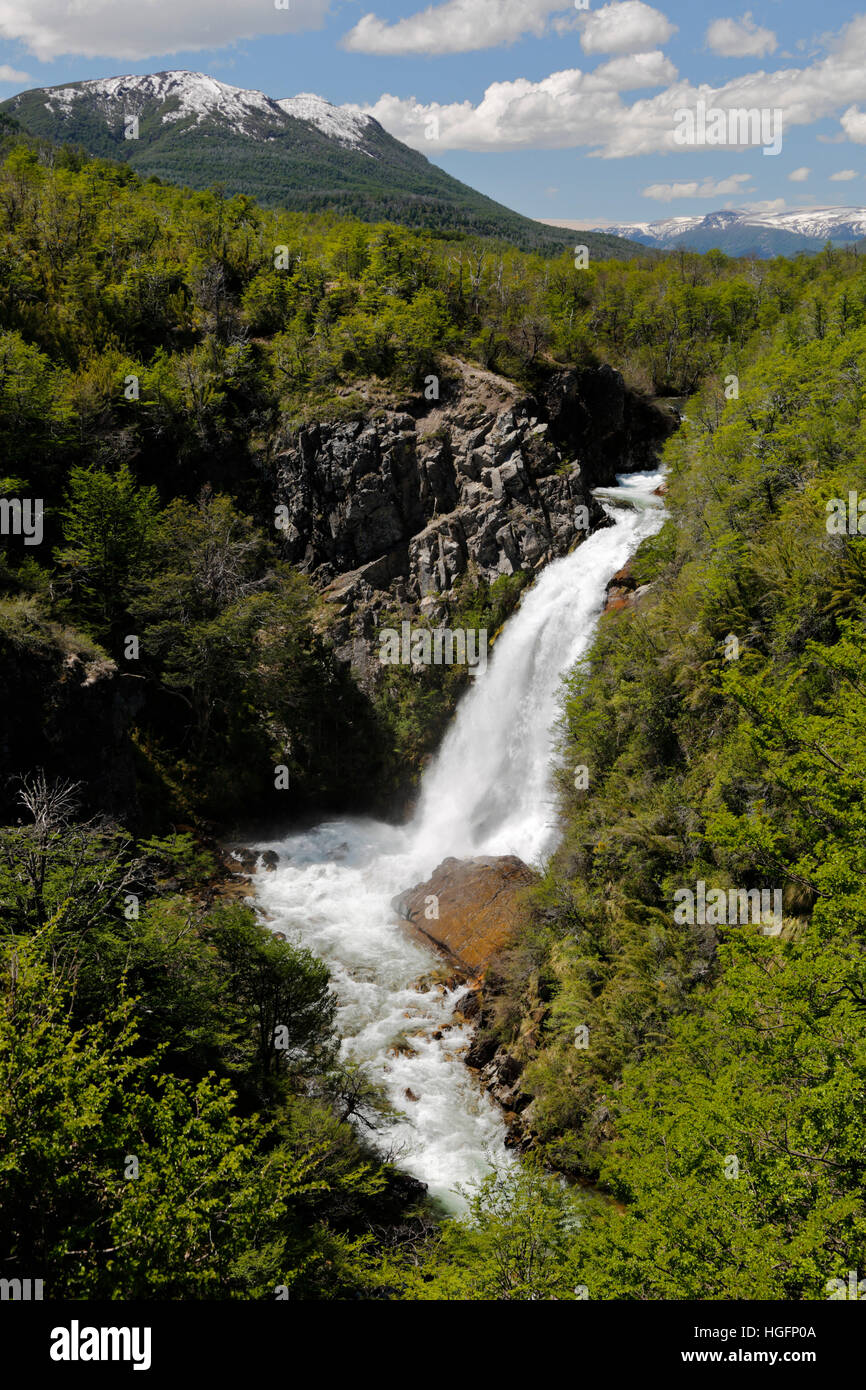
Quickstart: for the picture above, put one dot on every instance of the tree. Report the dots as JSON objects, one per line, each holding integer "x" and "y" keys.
{"x": 515, "y": 1243}
{"x": 119, "y": 1182}
{"x": 286, "y": 990}
{"x": 108, "y": 526}
{"x": 71, "y": 873}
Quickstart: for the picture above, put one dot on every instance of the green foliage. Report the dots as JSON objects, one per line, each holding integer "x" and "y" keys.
{"x": 720, "y": 1097}
{"x": 108, "y": 523}
{"x": 739, "y": 1145}
{"x": 516, "y": 1242}
{"x": 181, "y": 857}
{"x": 154, "y": 1142}
{"x": 204, "y": 1211}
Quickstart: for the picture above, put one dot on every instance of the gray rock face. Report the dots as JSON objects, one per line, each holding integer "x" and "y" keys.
{"x": 390, "y": 513}
{"x": 485, "y": 492}
{"x": 611, "y": 429}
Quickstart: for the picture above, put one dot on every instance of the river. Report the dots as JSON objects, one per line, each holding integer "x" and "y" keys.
{"x": 488, "y": 791}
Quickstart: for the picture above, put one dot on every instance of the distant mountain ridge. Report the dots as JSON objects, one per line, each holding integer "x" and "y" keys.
{"x": 740, "y": 232}
{"x": 301, "y": 153}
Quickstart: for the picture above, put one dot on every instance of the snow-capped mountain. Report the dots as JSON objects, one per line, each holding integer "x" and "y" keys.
{"x": 195, "y": 97}
{"x": 830, "y": 224}
{"x": 300, "y": 152}
{"x": 182, "y": 95}
{"x": 741, "y": 232}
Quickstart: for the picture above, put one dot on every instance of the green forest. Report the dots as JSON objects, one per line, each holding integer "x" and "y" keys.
{"x": 159, "y": 347}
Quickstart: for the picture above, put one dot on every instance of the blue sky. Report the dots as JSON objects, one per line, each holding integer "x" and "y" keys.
{"x": 555, "y": 111}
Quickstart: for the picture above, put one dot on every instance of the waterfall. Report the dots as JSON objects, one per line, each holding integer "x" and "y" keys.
{"x": 489, "y": 791}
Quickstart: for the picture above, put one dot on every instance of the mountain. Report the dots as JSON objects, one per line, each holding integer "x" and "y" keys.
{"x": 741, "y": 233}
{"x": 300, "y": 153}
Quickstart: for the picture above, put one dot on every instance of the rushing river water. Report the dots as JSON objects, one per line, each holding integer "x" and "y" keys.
{"x": 489, "y": 791}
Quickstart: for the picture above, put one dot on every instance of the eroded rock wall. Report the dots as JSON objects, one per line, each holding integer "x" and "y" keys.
{"x": 391, "y": 512}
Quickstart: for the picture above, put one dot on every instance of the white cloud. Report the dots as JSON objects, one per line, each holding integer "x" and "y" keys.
{"x": 566, "y": 23}
{"x": 800, "y": 175}
{"x": 8, "y": 74}
{"x": 584, "y": 109}
{"x": 854, "y": 125}
{"x": 766, "y": 205}
{"x": 709, "y": 188}
{"x": 563, "y": 110}
{"x": 740, "y": 38}
{"x": 629, "y": 27}
{"x": 634, "y": 71}
{"x": 464, "y": 26}
{"x": 843, "y": 176}
{"x": 458, "y": 26}
{"x": 112, "y": 29}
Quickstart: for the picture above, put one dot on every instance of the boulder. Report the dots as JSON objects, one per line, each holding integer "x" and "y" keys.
{"x": 620, "y": 589}
{"x": 478, "y": 902}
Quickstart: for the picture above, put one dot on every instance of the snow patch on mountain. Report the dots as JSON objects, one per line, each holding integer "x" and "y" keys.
{"x": 198, "y": 96}
{"x": 340, "y": 123}
{"x": 840, "y": 224}
{"x": 818, "y": 222}
{"x": 195, "y": 96}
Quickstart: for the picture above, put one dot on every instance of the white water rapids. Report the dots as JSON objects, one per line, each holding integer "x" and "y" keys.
{"x": 489, "y": 791}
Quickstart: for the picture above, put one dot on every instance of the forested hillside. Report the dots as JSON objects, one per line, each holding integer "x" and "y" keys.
{"x": 158, "y": 349}
{"x": 304, "y": 155}
{"x": 161, "y": 349}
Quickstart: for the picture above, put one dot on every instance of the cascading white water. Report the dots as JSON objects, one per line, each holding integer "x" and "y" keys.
{"x": 489, "y": 791}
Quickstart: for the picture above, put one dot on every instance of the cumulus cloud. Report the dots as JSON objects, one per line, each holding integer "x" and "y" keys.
{"x": 565, "y": 109}
{"x": 111, "y": 29}
{"x": 458, "y": 26}
{"x": 843, "y": 176}
{"x": 463, "y": 26}
{"x": 854, "y": 125}
{"x": 8, "y": 74}
{"x": 634, "y": 71}
{"x": 708, "y": 188}
{"x": 800, "y": 175}
{"x": 740, "y": 38}
{"x": 629, "y": 27}
{"x": 575, "y": 108}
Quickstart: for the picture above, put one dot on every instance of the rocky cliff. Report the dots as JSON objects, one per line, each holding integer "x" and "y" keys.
{"x": 392, "y": 511}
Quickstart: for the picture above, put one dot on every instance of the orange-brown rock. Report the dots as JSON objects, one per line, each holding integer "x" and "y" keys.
{"x": 623, "y": 579}
{"x": 469, "y": 908}
{"x": 620, "y": 589}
